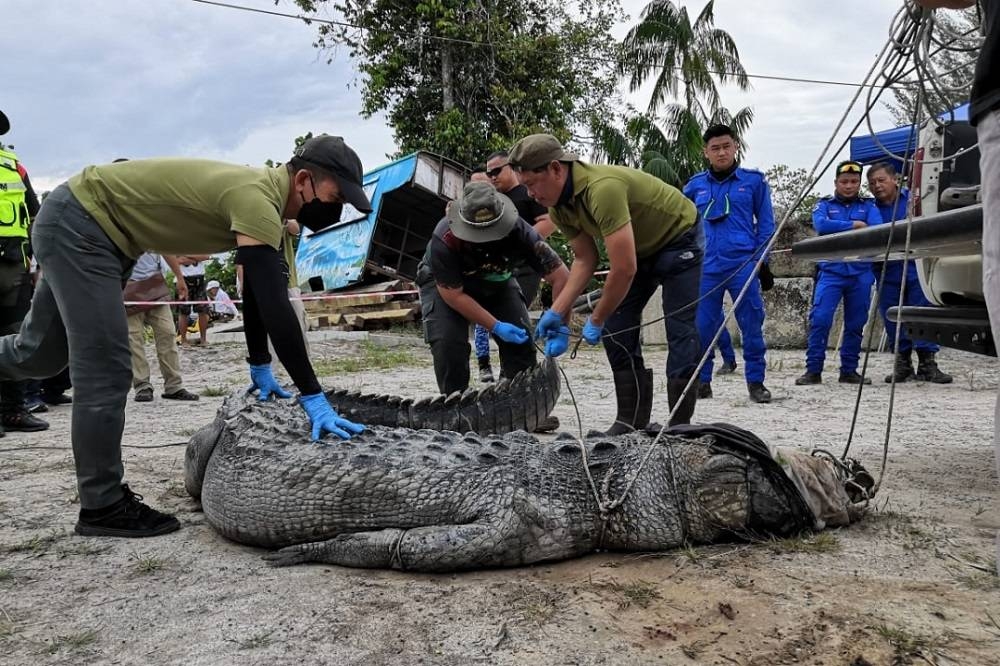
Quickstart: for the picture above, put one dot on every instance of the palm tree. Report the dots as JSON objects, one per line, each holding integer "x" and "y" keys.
{"x": 670, "y": 147}
{"x": 686, "y": 58}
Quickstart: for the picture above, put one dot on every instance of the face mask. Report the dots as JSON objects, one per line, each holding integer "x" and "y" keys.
{"x": 317, "y": 215}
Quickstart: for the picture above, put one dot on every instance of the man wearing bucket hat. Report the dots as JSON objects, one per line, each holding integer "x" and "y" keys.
{"x": 87, "y": 237}
{"x": 467, "y": 275}
{"x": 653, "y": 238}
{"x": 850, "y": 281}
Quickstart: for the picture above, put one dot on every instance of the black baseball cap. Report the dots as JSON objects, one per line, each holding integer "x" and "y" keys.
{"x": 331, "y": 154}
{"x": 4, "y": 124}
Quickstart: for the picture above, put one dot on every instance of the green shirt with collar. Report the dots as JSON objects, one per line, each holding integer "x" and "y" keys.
{"x": 183, "y": 206}
{"x": 607, "y": 197}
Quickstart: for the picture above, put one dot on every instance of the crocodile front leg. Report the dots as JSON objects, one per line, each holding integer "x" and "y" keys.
{"x": 437, "y": 548}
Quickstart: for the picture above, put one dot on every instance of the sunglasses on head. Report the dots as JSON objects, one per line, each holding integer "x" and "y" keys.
{"x": 495, "y": 171}
{"x": 849, "y": 168}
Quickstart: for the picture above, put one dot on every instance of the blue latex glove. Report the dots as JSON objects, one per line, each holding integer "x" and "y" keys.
{"x": 323, "y": 417}
{"x": 510, "y": 333}
{"x": 264, "y": 380}
{"x": 557, "y": 343}
{"x": 592, "y": 332}
{"x": 550, "y": 322}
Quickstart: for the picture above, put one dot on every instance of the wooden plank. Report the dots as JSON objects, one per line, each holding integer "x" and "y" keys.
{"x": 341, "y": 304}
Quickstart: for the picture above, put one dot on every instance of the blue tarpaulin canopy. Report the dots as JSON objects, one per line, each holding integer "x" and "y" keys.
{"x": 898, "y": 140}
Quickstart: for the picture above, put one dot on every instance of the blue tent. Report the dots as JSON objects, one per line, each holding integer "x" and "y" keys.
{"x": 898, "y": 140}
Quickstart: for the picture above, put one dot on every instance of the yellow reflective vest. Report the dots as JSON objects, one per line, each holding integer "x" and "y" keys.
{"x": 14, "y": 217}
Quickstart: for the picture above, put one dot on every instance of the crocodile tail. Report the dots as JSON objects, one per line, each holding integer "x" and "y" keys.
{"x": 521, "y": 403}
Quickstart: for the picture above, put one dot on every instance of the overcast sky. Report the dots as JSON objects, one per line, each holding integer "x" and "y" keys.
{"x": 94, "y": 80}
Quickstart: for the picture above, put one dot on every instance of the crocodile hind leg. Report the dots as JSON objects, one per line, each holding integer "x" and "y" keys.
{"x": 437, "y": 548}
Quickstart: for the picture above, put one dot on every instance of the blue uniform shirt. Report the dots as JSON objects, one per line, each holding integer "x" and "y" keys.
{"x": 894, "y": 271}
{"x": 832, "y": 215}
{"x": 747, "y": 228}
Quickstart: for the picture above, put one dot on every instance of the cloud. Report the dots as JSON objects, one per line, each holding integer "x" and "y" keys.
{"x": 100, "y": 79}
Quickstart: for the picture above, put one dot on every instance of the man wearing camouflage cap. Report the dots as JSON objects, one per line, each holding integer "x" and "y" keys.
{"x": 653, "y": 238}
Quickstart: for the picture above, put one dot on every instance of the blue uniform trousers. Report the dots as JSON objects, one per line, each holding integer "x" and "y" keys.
{"x": 749, "y": 316}
{"x": 725, "y": 345}
{"x": 856, "y": 292}
{"x": 890, "y": 298}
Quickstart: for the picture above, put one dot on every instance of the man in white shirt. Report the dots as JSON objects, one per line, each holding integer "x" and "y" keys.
{"x": 222, "y": 309}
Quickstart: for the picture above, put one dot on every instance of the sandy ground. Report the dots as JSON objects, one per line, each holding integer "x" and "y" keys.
{"x": 909, "y": 584}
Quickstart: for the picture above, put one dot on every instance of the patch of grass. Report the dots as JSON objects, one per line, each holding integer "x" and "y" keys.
{"x": 215, "y": 391}
{"x": 37, "y": 545}
{"x": 822, "y": 542}
{"x": 540, "y": 606}
{"x": 372, "y": 357}
{"x": 145, "y": 564}
{"x": 690, "y": 553}
{"x": 6, "y": 574}
{"x": 638, "y": 592}
{"x": 8, "y": 628}
{"x": 908, "y": 645}
{"x": 176, "y": 488}
{"x": 71, "y": 642}
{"x": 256, "y": 641}
{"x": 82, "y": 548}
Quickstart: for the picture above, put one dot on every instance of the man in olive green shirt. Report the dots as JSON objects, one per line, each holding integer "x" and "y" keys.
{"x": 86, "y": 239}
{"x": 653, "y": 238}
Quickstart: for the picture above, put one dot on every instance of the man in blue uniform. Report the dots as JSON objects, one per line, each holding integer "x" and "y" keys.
{"x": 892, "y": 204}
{"x": 835, "y": 280}
{"x": 735, "y": 205}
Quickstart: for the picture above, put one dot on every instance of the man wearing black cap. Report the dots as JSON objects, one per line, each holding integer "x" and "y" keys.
{"x": 87, "y": 237}
{"x": 653, "y": 238}
{"x": 467, "y": 276}
{"x": 850, "y": 281}
{"x": 18, "y": 205}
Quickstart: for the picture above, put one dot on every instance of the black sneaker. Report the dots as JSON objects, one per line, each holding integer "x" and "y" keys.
{"x": 704, "y": 391}
{"x": 128, "y": 517}
{"x": 809, "y": 378}
{"x": 22, "y": 421}
{"x": 179, "y": 394}
{"x": 758, "y": 392}
{"x": 486, "y": 374}
{"x": 854, "y": 378}
{"x": 144, "y": 394}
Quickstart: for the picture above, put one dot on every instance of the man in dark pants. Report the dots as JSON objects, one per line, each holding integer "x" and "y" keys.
{"x": 892, "y": 201}
{"x": 653, "y": 238}
{"x": 18, "y": 205}
{"x": 87, "y": 237}
{"x": 467, "y": 276}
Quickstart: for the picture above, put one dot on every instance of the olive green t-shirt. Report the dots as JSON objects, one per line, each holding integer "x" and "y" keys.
{"x": 183, "y": 206}
{"x": 607, "y": 197}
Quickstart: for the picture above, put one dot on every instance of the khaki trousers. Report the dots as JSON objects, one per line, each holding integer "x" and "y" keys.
{"x": 161, "y": 320}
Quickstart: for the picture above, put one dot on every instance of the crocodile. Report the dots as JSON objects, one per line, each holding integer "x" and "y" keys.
{"x": 437, "y": 501}
{"x": 522, "y": 402}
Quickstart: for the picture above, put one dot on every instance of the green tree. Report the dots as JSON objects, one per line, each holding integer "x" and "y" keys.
{"x": 956, "y": 41}
{"x": 688, "y": 59}
{"x": 465, "y": 77}
{"x": 669, "y": 147}
{"x": 786, "y": 183}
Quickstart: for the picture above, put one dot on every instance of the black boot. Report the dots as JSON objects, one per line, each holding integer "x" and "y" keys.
{"x": 634, "y": 394}
{"x": 485, "y": 370}
{"x": 902, "y": 370}
{"x": 927, "y": 369}
{"x": 686, "y": 409}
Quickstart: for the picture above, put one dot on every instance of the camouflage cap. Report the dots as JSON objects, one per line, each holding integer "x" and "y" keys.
{"x": 537, "y": 150}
